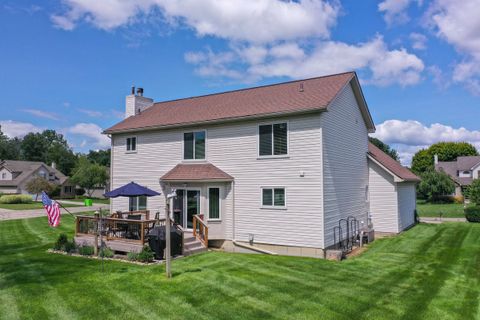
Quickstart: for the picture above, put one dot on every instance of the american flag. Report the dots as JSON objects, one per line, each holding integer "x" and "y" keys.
{"x": 53, "y": 210}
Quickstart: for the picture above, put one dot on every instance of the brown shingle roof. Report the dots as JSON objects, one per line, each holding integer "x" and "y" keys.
{"x": 451, "y": 168}
{"x": 196, "y": 172}
{"x": 391, "y": 164}
{"x": 283, "y": 98}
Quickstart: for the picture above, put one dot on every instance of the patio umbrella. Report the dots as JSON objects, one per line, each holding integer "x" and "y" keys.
{"x": 131, "y": 189}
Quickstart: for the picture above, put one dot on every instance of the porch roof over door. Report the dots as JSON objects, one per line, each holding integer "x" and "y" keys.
{"x": 196, "y": 172}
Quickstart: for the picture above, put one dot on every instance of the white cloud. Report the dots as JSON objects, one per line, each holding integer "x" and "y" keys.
{"x": 410, "y": 136}
{"x": 90, "y": 113}
{"x": 326, "y": 57}
{"x": 42, "y": 114}
{"x": 243, "y": 20}
{"x": 93, "y": 133}
{"x": 419, "y": 41}
{"x": 395, "y": 11}
{"x": 17, "y": 129}
{"x": 457, "y": 23}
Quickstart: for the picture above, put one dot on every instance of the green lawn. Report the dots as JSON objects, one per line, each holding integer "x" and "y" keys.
{"x": 27, "y": 206}
{"x": 450, "y": 210}
{"x": 104, "y": 201}
{"x": 428, "y": 272}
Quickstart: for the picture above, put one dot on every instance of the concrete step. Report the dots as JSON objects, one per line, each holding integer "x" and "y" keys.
{"x": 188, "y": 252}
{"x": 194, "y": 245}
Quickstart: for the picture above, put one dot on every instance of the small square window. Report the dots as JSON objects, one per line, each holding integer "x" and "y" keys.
{"x": 273, "y": 197}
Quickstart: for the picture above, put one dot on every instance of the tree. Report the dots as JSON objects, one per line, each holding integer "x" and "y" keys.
{"x": 102, "y": 157}
{"x": 474, "y": 192}
{"x": 63, "y": 157}
{"x": 37, "y": 185}
{"x": 34, "y": 147}
{"x": 89, "y": 175}
{"x": 384, "y": 147}
{"x": 434, "y": 185}
{"x": 9, "y": 148}
{"x": 447, "y": 151}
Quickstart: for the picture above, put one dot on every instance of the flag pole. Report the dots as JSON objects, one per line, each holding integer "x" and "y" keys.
{"x": 65, "y": 209}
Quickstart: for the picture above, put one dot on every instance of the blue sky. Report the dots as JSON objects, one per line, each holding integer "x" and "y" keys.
{"x": 68, "y": 64}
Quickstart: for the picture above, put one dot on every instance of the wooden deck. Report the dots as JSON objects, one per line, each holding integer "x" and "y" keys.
{"x": 116, "y": 245}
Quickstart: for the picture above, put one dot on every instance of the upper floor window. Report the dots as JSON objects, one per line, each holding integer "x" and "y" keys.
{"x": 273, "y": 139}
{"x": 132, "y": 144}
{"x": 194, "y": 145}
{"x": 4, "y": 176}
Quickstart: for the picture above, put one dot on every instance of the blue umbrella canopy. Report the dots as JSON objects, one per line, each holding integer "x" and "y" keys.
{"x": 131, "y": 189}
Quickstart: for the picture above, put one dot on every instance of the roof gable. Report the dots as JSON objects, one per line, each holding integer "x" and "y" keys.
{"x": 391, "y": 165}
{"x": 310, "y": 95}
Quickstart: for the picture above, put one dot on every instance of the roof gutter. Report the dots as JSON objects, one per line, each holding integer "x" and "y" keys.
{"x": 216, "y": 121}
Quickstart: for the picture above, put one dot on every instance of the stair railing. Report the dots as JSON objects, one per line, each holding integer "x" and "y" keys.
{"x": 200, "y": 230}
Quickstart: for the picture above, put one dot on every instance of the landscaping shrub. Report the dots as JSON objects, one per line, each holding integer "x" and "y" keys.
{"x": 435, "y": 185}
{"x": 458, "y": 199}
{"x": 472, "y": 214}
{"x": 16, "y": 198}
{"x": 70, "y": 246}
{"x": 106, "y": 253}
{"x": 474, "y": 192}
{"x": 132, "y": 256}
{"x": 442, "y": 199}
{"x": 61, "y": 242}
{"x": 146, "y": 255}
{"x": 86, "y": 250}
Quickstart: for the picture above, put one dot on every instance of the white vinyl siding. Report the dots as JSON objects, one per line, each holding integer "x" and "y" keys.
{"x": 233, "y": 148}
{"x": 345, "y": 146}
{"x": 383, "y": 199}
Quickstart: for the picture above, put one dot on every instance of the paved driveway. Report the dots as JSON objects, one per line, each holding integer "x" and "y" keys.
{"x": 6, "y": 214}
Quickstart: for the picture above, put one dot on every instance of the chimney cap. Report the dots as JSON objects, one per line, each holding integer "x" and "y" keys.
{"x": 140, "y": 92}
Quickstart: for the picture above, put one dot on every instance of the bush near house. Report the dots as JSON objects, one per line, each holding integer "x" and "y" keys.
{"x": 472, "y": 214}
{"x": 474, "y": 192}
{"x": 15, "y": 199}
{"x": 435, "y": 186}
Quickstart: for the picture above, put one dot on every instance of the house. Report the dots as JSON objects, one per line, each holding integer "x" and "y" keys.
{"x": 462, "y": 171}
{"x": 273, "y": 168}
{"x": 15, "y": 174}
{"x": 392, "y": 192}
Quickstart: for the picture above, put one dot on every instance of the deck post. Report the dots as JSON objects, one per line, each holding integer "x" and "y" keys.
{"x": 95, "y": 246}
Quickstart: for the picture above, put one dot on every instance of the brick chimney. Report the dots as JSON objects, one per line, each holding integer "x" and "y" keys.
{"x": 136, "y": 103}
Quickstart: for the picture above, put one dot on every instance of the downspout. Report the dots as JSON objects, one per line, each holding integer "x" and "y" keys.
{"x": 111, "y": 170}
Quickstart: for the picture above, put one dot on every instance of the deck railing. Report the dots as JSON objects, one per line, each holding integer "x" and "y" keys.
{"x": 116, "y": 229}
{"x": 200, "y": 230}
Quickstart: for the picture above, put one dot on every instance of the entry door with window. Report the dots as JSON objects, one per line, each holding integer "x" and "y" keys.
{"x": 185, "y": 206}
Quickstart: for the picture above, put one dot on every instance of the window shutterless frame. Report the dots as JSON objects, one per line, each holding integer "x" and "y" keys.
{"x": 273, "y": 155}
{"x": 194, "y": 145}
{"x": 133, "y": 143}
{"x": 273, "y": 206}
{"x": 220, "y": 202}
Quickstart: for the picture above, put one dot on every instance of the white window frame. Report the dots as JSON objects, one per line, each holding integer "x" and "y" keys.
{"x": 183, "y": 145}
{"x": 137, "y": 200}
{"x": 220, "y": 203}
{"x": 126, "y": 144}
{"x": 273, "y": 206}
{"x": 273, "y": 156}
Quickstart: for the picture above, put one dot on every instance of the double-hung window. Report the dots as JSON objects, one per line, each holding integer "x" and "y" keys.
{"x": 137, "y": 203}
{"x": 273, "y": 139}
{"x": 273, "y": 197}
{"x": 214, "y": 203}
{"x": 131, "y": 144}
{"x": 194, "y": 145}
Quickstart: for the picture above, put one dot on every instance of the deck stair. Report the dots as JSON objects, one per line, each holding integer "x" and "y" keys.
{"x": 192, "y": 245}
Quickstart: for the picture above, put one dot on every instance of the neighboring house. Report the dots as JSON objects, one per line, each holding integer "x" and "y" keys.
{"x": 462, "y": 171}
{"x": 277, "y": 166}
{"x": 14, "y": 176}
{"x": 392, "y": 192}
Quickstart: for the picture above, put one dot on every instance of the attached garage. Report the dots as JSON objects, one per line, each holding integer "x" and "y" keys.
{"x": 392, "y": 195}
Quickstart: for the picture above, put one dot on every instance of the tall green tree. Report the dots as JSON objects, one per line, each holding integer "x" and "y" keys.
{"x": 102, "y": 157}
{"x": 447, "y": 151}
{"x": 89, "y": 175}
{"x": 434, "y": 185}
{"x": 384, "y": 147}
{"x": 9, "y": 148}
